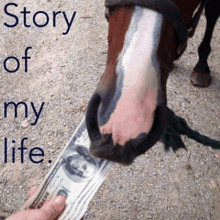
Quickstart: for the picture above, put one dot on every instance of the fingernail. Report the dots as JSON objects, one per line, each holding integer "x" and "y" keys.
{"x": 32, "y": 191}
{"x": 60, "y": 203}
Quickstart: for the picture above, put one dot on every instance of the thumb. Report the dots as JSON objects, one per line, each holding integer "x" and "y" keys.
{"x": 32, "y": 191}
{"x": 53, "y": 207}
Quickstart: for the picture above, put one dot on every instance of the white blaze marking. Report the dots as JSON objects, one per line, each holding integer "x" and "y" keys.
{"x": 138, "y": 68}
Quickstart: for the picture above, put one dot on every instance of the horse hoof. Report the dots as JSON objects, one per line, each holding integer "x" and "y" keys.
{"x": 200, "y": 79}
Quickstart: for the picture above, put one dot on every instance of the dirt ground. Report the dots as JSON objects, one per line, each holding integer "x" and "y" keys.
{"x": 62, "y": 73}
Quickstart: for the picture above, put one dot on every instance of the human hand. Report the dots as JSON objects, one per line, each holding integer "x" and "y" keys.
{"x": 49, "y": 211}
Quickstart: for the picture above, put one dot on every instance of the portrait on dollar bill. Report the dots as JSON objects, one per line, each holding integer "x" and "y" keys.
{"x": 78, "y": 164}
{"x": 62, "y": 192}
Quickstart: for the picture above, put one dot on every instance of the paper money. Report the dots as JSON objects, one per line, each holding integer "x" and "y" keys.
{"x": 76, "y": 175}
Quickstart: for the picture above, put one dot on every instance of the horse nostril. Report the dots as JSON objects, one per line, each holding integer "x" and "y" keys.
{"x": 92, "y": 117}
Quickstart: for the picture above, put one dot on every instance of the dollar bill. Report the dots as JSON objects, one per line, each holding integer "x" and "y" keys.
{"x": 76, "y": 175}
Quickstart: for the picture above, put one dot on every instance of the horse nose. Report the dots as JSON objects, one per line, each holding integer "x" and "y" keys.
{"x": 103, "y": 146}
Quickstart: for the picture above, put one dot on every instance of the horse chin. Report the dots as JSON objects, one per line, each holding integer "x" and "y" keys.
{"x": 103, "y": 147}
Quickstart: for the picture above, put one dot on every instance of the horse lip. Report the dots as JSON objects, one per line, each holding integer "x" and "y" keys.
{"x": 103, "y": 147}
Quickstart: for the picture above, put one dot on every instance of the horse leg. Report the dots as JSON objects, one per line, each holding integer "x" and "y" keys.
{"x": 201, "y": 76}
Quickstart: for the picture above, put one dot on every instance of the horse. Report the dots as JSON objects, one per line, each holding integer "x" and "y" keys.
{"x": 201, "y": 76}
{"x": 126, "y": 114}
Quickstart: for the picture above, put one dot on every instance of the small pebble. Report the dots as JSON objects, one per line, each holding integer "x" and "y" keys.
{"x": 24, "y": 124}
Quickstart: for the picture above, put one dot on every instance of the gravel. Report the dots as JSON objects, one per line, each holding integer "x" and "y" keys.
{"x": 63, "y": 72}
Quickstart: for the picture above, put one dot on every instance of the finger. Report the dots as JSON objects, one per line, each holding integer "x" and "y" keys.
{"x": 54, "y": 207}
{"x": 32, "y": 191}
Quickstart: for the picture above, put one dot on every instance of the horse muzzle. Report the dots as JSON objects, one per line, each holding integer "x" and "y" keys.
{"x": 103, "y": 146}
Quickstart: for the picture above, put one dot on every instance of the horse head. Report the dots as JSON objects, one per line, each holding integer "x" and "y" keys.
{"x": 127, "y": 112}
